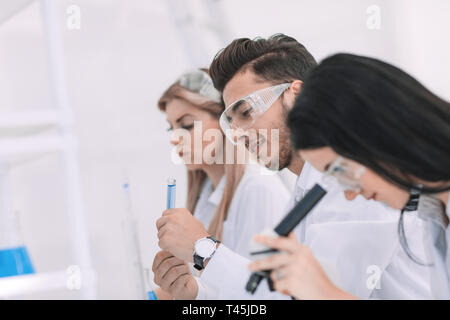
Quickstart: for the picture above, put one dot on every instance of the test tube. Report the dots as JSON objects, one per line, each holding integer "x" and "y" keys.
{"x": 171, "y": 192}
{"x": 129, "y": 225}
{"x": 171, "y": 197}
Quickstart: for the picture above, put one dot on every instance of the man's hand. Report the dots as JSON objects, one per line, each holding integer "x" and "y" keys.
{"x": 162, "y": 295}
{"x": 178, "y": 231}
{"x": 173, "y": 276}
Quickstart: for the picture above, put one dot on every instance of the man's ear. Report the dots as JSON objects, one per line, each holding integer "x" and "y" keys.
{"x": 296, "y": 86}
{"x": 292, "y": 92}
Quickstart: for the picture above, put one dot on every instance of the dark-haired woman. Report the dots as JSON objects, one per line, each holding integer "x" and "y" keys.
{"x": 382, "y": 135}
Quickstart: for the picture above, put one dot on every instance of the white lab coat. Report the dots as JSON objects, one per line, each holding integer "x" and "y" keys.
{"x": 258, "y": 203}
{"x": 437, "y": 241}
{"x": 355, "y": 242}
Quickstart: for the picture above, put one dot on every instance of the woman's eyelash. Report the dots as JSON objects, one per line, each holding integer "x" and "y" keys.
{"x": 188, "y": 127}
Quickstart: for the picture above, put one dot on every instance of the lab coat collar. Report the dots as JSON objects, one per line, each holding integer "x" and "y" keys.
{"x": 217, "y": 194}
{"x": 308, "y": 177}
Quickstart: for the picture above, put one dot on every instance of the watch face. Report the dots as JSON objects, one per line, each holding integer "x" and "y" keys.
{"x": 205, "y": 247}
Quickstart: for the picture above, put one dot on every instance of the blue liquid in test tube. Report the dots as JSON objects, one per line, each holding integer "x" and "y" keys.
{"x": 171, "y": 192}
{"x": 171, "y": 197}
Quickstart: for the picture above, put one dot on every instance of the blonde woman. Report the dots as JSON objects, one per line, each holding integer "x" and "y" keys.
{"x": 231, "y": 200}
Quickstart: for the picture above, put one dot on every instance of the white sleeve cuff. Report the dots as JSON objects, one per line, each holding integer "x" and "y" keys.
{"x": 224, "y": 266}
{"x": 204, "y": 293}
{"x": 227, "y": 274}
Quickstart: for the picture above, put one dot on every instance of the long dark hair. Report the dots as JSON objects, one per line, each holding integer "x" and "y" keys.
{"x": 378, "y": 115}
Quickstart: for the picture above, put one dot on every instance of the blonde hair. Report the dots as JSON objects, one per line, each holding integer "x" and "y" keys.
{"x": 196, "y": 178}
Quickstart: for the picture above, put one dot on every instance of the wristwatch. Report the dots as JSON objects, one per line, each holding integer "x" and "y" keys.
{"x": 204, "y": 248}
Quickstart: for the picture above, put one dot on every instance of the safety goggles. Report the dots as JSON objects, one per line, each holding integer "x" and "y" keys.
{"x": 348, "y": 174}
{"x": 239, "y": 116}
{"x": 200, "y": 82}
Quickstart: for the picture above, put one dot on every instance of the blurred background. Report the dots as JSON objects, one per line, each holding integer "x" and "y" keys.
{"x": 79, "y": 82}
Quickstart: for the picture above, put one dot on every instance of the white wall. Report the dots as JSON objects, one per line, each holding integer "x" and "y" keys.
{"x": 120, "y": 61}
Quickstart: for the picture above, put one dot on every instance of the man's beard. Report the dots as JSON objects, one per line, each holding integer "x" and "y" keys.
{"x": 283, "y": 152}
{"x": 285, "y": 140}
{"x": 284, "y": 157}
{"x": 285, "y": 148}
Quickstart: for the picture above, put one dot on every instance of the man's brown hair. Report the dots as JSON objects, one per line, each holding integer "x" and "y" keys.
{"x": 278, "y": 59}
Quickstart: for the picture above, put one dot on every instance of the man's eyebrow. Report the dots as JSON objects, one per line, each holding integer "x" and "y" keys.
{"x": 327, "y": 166}
{"x": 237, "y": 105}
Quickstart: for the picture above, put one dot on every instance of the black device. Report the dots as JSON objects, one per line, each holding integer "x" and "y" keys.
{"x": 290, "y": 221}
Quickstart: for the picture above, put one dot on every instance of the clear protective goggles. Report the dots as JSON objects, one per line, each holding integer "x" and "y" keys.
{"x": 200, "y": 82}
{"x": 239, "y": 116}
{"x": 346, "y": 173}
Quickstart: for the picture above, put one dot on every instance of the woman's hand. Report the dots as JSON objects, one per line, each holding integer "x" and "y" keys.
{"x": 295, "y": 271}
